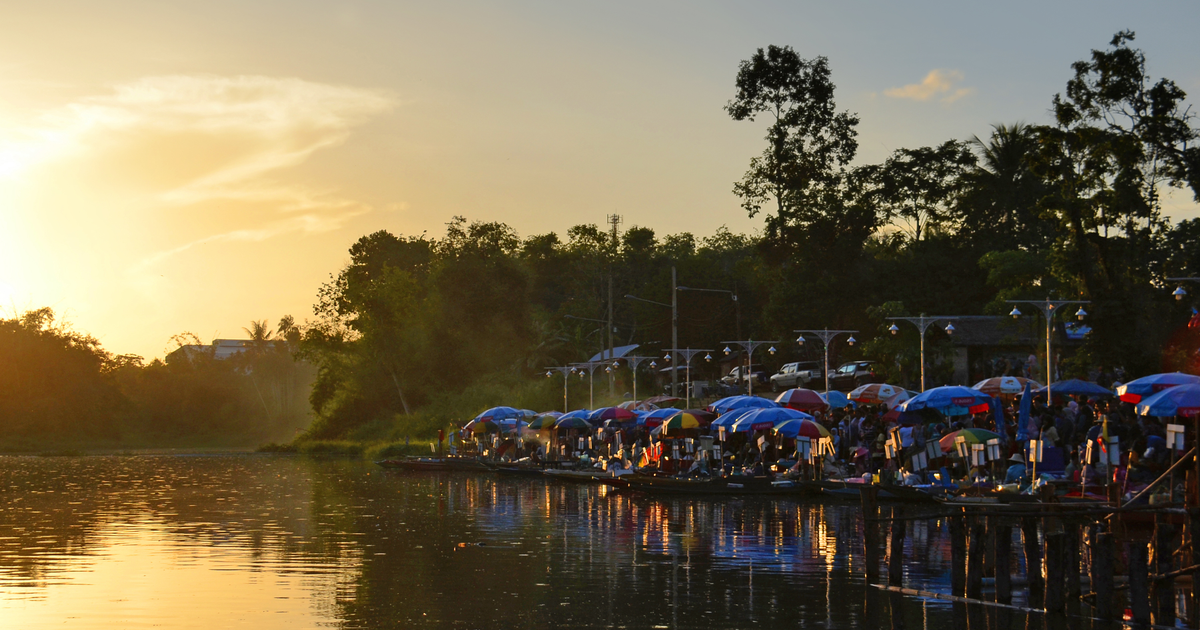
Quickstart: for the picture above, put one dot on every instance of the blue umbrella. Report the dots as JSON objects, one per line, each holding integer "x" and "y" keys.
{"x": 496, "y": 414}
{"x": 727, "y": 419}
{"x": 836, "y": 399}
{"x": 1134, "y": 391}
{"x": 947, "y": 397}
{"x": 580, "y": 414}
{"x": 740, "y": 402}
{"x": 656, "y": 417}
{"x": 1076, "y": 387}
{"x": 764, "y": 419}
{"x": 1181, "y": 400}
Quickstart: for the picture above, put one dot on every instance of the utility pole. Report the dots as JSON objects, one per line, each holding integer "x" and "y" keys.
{"x": 614, "y": 222}
{"x": 674, "y": 329}
{"x": 1047, "y": 307}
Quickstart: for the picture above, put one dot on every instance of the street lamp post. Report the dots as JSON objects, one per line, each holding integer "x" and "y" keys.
{"x": 590, "y": 366}
{"x": 1048, "y": 308}
{"x": 633, "y": 363}
{"x": 687, "y": 353}
{"x": 566, "y": 371}
{"x": 826, "y": 336}
{"x": 749, "y": 345}
{"x": 922, "y": 323}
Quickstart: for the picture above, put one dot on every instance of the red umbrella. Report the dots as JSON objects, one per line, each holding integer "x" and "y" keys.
{"x": 801, "y": 399}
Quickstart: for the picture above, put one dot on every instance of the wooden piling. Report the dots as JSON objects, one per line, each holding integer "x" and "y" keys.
{"x": 1072, "y": 566}
{"x": 1102, "y": 575}
{"x": 958, "y": 556}
{"x": 870, "y": 511}
{"x": 1033, "y": 560}
{"x": 975, "y": 557}
{"x": 1002, "y": 550}
{"x": 1164, "y": 588}
{"x": 896, "y": 554}
{"x": 1139, "y": 582}
{"x": 1055, "y": 574}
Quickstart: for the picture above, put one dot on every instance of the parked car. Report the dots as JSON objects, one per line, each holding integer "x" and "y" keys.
{"x": 739, "y": 377}
{"x": 797, "y": 374}
{"x": 853, "y": 374}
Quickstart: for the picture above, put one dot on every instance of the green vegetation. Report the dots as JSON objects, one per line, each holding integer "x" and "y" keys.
{"x": 418, "y": 334}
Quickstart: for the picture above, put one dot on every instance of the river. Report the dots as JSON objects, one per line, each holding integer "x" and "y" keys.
{"x": 259, "y": 541}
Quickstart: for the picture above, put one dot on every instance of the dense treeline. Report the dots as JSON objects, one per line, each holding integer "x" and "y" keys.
{"x": 1069, "y": 209}
{"x": 59, "y": 387}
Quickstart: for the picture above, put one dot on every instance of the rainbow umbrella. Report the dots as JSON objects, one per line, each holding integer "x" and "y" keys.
{"x": 802, "y": 399}
{"x": 687, "y": 419}
{"x": 1134, "y": 391}
{"x": 797, "y": 427}
{"x": 973, "y": 436}
{"x": 542, "y": 422}
{"x": 479, "y": 427}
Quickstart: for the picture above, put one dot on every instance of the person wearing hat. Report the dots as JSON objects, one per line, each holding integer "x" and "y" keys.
{"x": 1016, "y": 472}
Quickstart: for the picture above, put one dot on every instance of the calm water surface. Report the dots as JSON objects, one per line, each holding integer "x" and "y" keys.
{"x": 253, "y": 541}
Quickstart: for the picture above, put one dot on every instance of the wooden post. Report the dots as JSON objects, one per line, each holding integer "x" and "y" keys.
{"x": 1033, "y": 560}
{"x": 1102, "y": 575}
{"x": 1055, "y": 578}
{"x": 870, "y": 512}
{"x": 975, "y": 558}
{"x": 896, "y": 556}
{"x": 1164, "y": 589}
{"x": 958, "y": 556}
{"x": 1071, "y": 547}
{"x": 1139, "y": 582}
{"x": 1002, "y": 549}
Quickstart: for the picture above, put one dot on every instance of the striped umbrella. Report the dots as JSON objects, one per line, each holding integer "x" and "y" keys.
{"x": 1134, "y": 391}
{"x": 651, "y": 419}
{"x": 687, "y": 419}
{"x": 1006, "y": 385}
{"x": 802, "y": 399}
{"x": 542, "y": 422}
{"x": 805, "y": 428}
{"x": 877, "y": 393}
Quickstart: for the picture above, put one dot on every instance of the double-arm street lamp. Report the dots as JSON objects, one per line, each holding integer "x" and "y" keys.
{"x": 566, "y": 371}
{"x": 589, "y": 366}
{"x": 1048, "y": 308}
{"x": 826, "y": 336}
{"x": 687, "y": 353}
{"x": 749, "y": 345}
{"x": 922, "y": 323}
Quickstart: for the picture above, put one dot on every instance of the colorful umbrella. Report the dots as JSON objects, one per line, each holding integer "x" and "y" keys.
{"x": 801, "y": 399}
{"x": 1007, "y": 385}
{"x": 945, "y": 398}
{"x": 1076, "y": 387}
{"x": 1181, "y": 400}
{"x": 629, "y": 404}
{"x": 767, "y": 419}
{"x": 740, "y": 402}
{"x": 973, "y": 436}
{"x": 544, "y": 421}
{"x": 660, "y": 401}
{"x": 567, "y": 422}
{"x": 688, "y": 419}
{"x": 835, "y": 399}
{"x": 611, "y": 413}
{"x": 1134, "y": 391}
{"x": 876, "y": 393}
{"x": 797, "y": 428}
{"x": 479, "y": 427}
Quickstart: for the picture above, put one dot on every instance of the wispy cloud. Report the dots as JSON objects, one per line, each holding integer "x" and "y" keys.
{"x": 938, "y": 84}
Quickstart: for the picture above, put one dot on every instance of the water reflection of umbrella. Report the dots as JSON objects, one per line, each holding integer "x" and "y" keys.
{"x": 1181, "y": 400}
{"x": 740, "y": 402}
{"x": 767, "y": 419}
{"x": 1134, "y": 391}
{"x": 801, "y": 428}
{"x": 802, "y": 399}
{"x": 876, "y": 393}
{"x": 973, "y": 436}
{"x": 1008, "y": 385}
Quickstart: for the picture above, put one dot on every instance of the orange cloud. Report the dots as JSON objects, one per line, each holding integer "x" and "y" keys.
{"x": 937, "y": 84}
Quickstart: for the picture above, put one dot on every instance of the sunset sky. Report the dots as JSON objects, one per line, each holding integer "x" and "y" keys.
{"x": 168, "y": 168}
